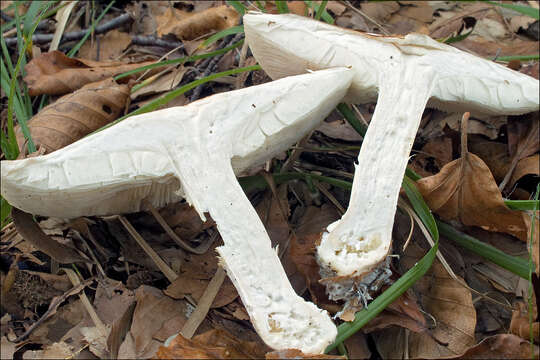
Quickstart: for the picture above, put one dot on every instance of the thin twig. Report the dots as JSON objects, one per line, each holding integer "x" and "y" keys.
{"x": 213, "y": 63}
{"x": 77, "y": 35}
{"x": 206, "y": 300}
{"x": 154, "y": 41}
{"x": 162, "y": 265}
{"x": 201, "y": 249}
{"x": 350, "y": 6}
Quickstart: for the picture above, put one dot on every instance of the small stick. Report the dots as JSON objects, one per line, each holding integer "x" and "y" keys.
{"x": 77, "y": 35}
{"x": 201, "y": 249}
{"x": 204, "y": 304}
{"x": 213, "y": 62}
{"x": 162, "y": 265}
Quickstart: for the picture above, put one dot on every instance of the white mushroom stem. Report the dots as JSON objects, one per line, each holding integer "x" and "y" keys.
{"x": 362, "y": 238}
{"x": 194, "y": 152}
{"x": 406, "y": 72}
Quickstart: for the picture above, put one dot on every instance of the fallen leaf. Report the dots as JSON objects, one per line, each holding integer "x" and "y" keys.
{"x": 339, "y": 129}
{"x": 520, "y": 22}
{"x": 380, "y": 12}
{"x": 106, "y": 47}
{"x": 54, "y": 73}
{"x": 527, "y": 166}
{"x": 297, "y": 354}
{"x": 302, "y": 251}
{"x": 434, "y": 155}
{"x": 494, "y": 154}
{"x": 153, "y": 310}
{"x": 76, "y": 115}
{"x": 465, "y": 190}
{"x": 523, "y": 141}
{"x": 357, "y": 346}
{"x": 489, "y": 49}
{"x": 31, "y": 232}
{"x": 519, "y": 325}
{"x": 7, "y": 349}
{"x": 403, "y": 312}
{"x": 213, "y": 344}
{"x": 188, "y": 27}
{"x": 183, "y": 286}
{"x": 163, "y": 83}
{"x": 501, "y": 346}
{"x": 184, "y": 220}
{"x": 449, "y": 305}
{"x": 522, "y": 136}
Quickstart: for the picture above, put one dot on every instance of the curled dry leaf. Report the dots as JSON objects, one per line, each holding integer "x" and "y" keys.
{"x": 110, "y": 46}
{"x": 54, "y": 73}
{"x": 501, "y": 346}
{"x": 76, "y": 115}
{"x": 519, "y": 324}
{"x": 450, "y": 306}
{"x": 526, "y": 166}
{"x": 195, "y": 275}
{"x": 213, "y": 344}
{"x": 31, "y": 232}
{"x": 188, "y": 27}
{"x": 465, "y": 190}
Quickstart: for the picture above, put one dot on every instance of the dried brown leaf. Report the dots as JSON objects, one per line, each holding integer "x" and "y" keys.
{"x": 527, "y": 166}
{"x": 31, "y": 232}
{"x": 403, "y": 312}
{"x": 380, "y": 11}
{"x": 494, "y": 154}
{"x": 465, "y": 190}
{"x": 501, "y": 346}
{"x": 188, "y": 27}
{"x": 213, "y": 344}
{"x": 152, "y": 311}
{"x": 54, "y": 73}
{"x": 450, "y": 307}
{"x": 76, "y": 115}
{"x": 519, "y": 325}
{"x": 184, "y": 220}
{"x": 109, "y": 46}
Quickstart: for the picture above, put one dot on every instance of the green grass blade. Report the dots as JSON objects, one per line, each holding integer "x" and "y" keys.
{"x": 420, "y": 207}
{"x": 220, "y": 35}
{"x": 260, "y": 5}
{"x": 522, "y": 204}
{"x": 514, "y": 264}
{"x": 31, "y": 16}
{"x": 352, "y": 119}
{"x": 326, "y": 17}
{"x": 518, "y": 57}
{"x": 321, "y": 9}
{"x": 153, "y": 105}
{"x": 457, "y": 38}
{"x": 5, "y": 210}
{"x": 362, "y": 317}
{"x": 76, "y": 48}
{"x": 525, "y": 10}
{"x": 179, "y": 61}
{"x": 282, "y": 6}
{"x": 238, "y": 6}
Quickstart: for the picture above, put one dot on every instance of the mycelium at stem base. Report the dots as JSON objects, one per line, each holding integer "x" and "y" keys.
{"x": 361, "y": 239}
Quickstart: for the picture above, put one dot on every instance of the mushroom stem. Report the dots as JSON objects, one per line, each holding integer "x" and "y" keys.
{"x": 281, "y": 317}
{"x": 361, "y": 239}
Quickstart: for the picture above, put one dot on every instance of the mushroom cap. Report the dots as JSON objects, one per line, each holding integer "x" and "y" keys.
{"x": 288, "y": 44}
{"x": 113, "y": 171}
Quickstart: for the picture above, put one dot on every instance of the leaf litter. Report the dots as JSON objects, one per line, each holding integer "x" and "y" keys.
{"x": 142, "y": 310}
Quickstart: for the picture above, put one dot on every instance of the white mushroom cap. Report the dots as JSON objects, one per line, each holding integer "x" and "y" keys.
{"x": 193, "y": 152}
{"x": 288, "y": 44}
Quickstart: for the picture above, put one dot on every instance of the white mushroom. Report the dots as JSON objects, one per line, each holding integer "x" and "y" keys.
{"x": 194, "y": 152}
{"x": 405, "y": 72}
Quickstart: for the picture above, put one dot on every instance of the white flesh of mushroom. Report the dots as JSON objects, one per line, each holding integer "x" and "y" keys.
{"x": 187, "y": 152}
{"x": 405, "y": 72}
